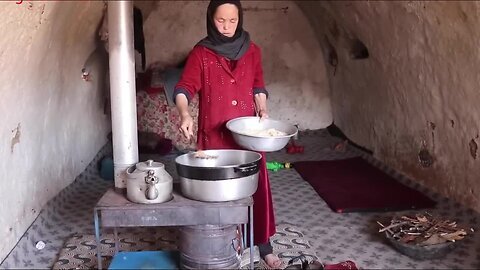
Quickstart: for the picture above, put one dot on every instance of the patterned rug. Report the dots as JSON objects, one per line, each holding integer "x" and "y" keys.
{"x": 290, "y": 242}
{"x": 334, "y": 237}
{"x": 79, "y": 252}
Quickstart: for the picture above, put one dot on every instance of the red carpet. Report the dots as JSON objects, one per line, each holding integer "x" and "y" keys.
{"x": 353, "y": 185}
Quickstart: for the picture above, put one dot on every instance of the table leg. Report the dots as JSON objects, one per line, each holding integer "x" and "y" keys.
{"x": 245, "y": 234}
{"x": 251, "y": 237}
{"x": 115, "y": 235}
{"x": 97, "y": 238}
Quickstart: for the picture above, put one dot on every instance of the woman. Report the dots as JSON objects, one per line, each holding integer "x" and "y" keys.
{"x": 225, "y": 69}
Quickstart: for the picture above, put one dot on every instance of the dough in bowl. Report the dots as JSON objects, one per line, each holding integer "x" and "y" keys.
{"x": 271, "y": 132}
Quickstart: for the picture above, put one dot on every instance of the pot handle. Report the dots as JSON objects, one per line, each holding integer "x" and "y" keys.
{"x": 247, "y": 168}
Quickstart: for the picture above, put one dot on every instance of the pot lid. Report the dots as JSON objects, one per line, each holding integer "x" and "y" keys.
{"x": 149, "y": 165}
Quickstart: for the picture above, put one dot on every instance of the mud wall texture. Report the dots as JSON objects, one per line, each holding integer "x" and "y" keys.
{"x": 53, "y": 121}
{"x": 414, "y": 99}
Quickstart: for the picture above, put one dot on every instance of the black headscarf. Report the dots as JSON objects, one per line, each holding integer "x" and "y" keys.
{"x": 231, "y": 47}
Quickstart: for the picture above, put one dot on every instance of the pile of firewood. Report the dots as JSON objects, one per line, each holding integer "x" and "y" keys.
{"x": 423, "y": 230}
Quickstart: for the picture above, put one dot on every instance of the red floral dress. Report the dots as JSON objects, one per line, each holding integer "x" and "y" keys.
{"x": 226, "y": 90}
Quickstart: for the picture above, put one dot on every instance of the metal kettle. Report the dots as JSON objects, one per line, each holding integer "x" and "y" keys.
{"x": 148, "y": 182}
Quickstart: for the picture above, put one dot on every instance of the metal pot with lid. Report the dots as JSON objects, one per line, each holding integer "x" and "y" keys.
{"x": 148, "y": 182}
{"x": 230, "y": 175}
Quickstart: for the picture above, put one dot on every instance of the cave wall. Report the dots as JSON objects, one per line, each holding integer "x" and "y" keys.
{"x": 417, "y": 92}
{"x": 53, "y": 120}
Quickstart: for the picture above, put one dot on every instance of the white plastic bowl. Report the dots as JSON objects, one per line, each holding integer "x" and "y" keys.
{"x": 242, "y": 126}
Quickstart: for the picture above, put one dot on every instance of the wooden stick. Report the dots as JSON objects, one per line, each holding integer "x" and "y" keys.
{"x": 393, "y": 226}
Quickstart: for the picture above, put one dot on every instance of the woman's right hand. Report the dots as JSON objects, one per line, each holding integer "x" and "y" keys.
{"x": 186, "y": 126}
{"x": 186, "y": 121}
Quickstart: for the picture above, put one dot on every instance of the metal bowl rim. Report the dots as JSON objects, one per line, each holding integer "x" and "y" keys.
{"x": 259, "y": 137}
{"x": 219, "y": 167}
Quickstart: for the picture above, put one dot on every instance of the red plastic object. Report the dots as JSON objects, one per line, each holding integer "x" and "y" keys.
{"x": 293, "y": 148}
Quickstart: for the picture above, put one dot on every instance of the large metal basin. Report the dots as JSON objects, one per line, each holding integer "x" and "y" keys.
{"x": 231, "y": 175}
{"x": 240, "y": 127}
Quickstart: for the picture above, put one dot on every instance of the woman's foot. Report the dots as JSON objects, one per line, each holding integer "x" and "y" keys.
{"x": 273, "y": 261}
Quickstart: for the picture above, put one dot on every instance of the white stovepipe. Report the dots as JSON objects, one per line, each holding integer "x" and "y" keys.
{"x": 122, "y": 88}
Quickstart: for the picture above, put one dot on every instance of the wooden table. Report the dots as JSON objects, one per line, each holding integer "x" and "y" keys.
{"x": 114, "y": 210}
